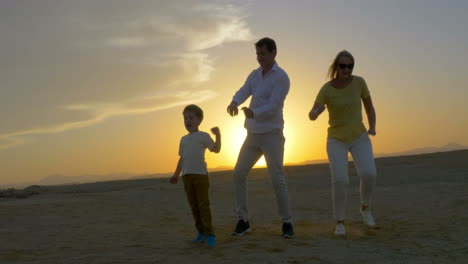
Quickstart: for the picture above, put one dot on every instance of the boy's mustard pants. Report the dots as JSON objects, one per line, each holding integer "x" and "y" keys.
{"x": 197, "y": 189}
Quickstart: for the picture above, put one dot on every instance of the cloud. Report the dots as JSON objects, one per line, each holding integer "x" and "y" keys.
{"x": 195, "y": 27}
{"x": 183, "y": 36}
{"x": 90, "y": 58}
{"x": 101, "y": 112}
{"x": 128, "y": 42}
{"x": 199, "y": 61}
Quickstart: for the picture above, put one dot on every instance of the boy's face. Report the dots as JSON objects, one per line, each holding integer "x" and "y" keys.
{"x": 191, "y": 121}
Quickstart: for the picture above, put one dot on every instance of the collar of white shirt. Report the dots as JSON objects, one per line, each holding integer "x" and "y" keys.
{"x": 275, "y": 68}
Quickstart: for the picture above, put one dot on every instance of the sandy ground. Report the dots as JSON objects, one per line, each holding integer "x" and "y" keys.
{"x": 420, "y": 205}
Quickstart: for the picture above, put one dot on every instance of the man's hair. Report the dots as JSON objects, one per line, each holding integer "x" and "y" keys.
{"x": 268, "y": 43}
{"x": 194, "y": 109}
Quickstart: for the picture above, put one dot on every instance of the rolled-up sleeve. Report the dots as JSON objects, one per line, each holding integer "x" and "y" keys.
{"x": 276, "y": 100}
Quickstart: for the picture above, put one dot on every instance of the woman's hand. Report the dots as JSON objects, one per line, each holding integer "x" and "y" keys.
{"x": 316, "y": 111}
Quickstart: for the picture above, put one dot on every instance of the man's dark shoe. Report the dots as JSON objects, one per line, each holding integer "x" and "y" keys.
{"x": 288, "y": 230}
{"x": 242, "y": 227}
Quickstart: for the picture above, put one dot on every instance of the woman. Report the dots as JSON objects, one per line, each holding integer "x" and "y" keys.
{"x": 342, "y": 95}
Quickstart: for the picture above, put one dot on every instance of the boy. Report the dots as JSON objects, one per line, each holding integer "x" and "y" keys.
{"x": 194, "y": 171}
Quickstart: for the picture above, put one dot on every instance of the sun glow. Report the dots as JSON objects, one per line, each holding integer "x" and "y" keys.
{"x": 233, "y": 136}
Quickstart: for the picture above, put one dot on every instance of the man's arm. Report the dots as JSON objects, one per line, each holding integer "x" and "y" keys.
{"x": 371, "y": 116}
{"x": 240, "y": 96}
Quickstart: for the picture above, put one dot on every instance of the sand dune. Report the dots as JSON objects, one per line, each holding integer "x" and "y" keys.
{"x": 421, "y": 206}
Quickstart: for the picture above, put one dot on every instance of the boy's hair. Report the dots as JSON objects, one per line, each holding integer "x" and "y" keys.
{"x": 194, "y": 109}
{"x": 269, "y": 43}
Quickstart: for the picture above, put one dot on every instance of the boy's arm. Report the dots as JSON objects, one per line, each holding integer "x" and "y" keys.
{"x": 175, "y": 177}
{"x": 217, "y": 143}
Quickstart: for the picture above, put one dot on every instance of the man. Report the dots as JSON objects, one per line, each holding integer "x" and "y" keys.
{"x": 268, "y": 85}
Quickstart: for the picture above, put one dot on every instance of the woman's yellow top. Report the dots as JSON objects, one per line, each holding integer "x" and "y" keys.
{"x": 344, "y": 109}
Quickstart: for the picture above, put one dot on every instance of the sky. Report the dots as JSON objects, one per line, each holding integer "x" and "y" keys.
{"x": 98, "y": 87}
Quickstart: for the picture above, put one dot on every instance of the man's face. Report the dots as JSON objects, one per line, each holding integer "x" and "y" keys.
{"x": 191, "y": 121}
{"x": 264, "y": 57}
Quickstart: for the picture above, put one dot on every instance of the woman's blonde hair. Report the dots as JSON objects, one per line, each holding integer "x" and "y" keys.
{"x": 333, "y": 69}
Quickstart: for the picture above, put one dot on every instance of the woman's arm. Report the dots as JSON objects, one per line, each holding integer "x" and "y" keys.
{"x": 371, "y": 117}
{"x": 317, "y": 109}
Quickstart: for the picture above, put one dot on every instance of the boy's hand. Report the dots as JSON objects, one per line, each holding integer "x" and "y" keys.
{"x": 174, "y": 179}
{"x": 215, "y": 130}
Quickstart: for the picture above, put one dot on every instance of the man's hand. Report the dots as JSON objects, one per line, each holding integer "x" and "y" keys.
{"x": 248, "y": 112}
{"x": 371, "y": 131}
{"x": 232, "y": 109}
{"x": 215, "y": 130}
{"x": 174, "y": 179}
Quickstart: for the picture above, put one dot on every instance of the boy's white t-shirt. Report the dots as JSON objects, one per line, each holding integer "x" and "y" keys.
{"x": 192, "y": 152}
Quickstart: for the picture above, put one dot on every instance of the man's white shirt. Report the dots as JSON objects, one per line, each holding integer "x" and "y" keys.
{"x": 268, "y": 94}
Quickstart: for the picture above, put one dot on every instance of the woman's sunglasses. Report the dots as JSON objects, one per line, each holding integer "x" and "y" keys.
{"x": 344, "y": 66}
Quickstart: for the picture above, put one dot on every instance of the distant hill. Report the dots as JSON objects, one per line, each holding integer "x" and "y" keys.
{"x": 65, "y": 180}
{"x": 62, "y": 179}
{"x": 448, "y": 147}
{"x": 221, "y": 168}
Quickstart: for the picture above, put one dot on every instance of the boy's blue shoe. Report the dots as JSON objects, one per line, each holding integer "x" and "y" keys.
{"x": 199, "y": 238}
{"x": 210, "y": 241}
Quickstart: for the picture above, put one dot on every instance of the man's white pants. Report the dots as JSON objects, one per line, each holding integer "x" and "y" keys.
{"x": 271, "y": 145}
{"x": 361, "y": 151}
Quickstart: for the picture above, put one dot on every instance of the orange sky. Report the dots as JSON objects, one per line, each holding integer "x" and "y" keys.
{"x": 94, "y": 89}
